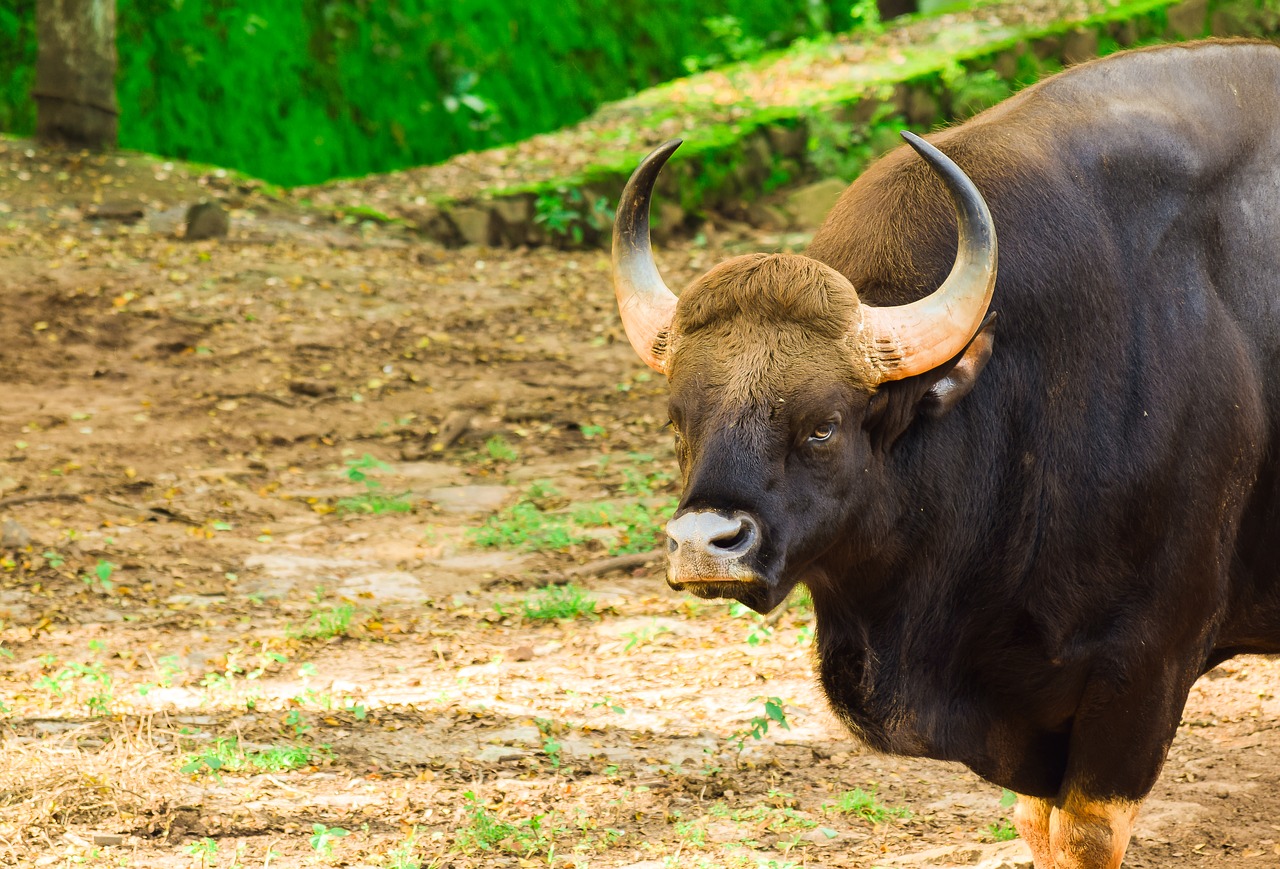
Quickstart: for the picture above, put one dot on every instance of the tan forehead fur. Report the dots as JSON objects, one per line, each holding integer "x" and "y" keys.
{"x": 760, "y": 327}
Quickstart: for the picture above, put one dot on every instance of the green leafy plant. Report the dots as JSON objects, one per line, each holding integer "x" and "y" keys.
{"x": 729, "y": 42}
{"x": 865, "y": 16}
{"x": 758, "y": 727}
{"x": 865, "y": 805}
{"x": 372, "y": 500}
{"x": 1003, "y": 830}
{"x": 567, "y": 214}
{"x": 483, "y": 831}
{"x": 100, "y": 577}
{"x": 322, "y": 838}
{"x": 550, "y": 745}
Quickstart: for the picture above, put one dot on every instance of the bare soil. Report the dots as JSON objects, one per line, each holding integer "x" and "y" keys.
{"x": 179, "y": 422}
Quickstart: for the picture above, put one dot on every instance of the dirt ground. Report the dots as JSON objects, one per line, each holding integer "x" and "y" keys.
{"x": 278, "y": 512}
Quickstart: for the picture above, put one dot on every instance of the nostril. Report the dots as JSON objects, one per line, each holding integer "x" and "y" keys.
{"x": 672, "y": 544}
{"x": 737, "y": 539}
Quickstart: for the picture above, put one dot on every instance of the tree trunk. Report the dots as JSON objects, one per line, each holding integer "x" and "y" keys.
{"x": 75, "y": 86}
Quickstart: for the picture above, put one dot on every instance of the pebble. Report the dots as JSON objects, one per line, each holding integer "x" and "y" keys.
{"x": 13, "y": 535}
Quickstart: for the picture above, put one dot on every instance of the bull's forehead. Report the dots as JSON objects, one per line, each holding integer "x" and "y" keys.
{"x": 747, "y": 368}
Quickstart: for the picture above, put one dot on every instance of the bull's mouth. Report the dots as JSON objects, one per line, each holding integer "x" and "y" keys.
{"x": 753, "y": 592}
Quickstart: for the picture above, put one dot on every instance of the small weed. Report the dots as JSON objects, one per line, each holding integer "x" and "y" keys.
{"x": 401, "y": 856}
{"x": 774, "y": 712}
{"x": 531, "y": 524}
{"x": 322, "y": 838}
{"x": 644, "y": 636}
{"x": 206, "y": 850}
{"x": 482, "y": 831}
{"x": 760, "y": 632}
{"x": 228, "y": 755}
{"x": 865, "y": 805}
{"x": 526, "y": 526}
{"x": 499, "y": 450}
{"x": 100, "y": 577}
{"x": 1003, "y": 830}
{"x": 93, "y": 676}
{"x": 550, "y": 745}
{"x": 559, "y": 602}
{"x": 372, "y": 501}
{"x": 325, "y": 623}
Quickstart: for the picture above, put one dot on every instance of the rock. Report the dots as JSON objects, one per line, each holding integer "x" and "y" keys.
{"x": 13, "y": 535}
{"x": 7, "y": 485}
{"x": 1188, "y": 20}
{"x": 921, "y": 108}
{"x": 475, "y": 225}
{"x": 515, "y": 213}
{"x": 522, "y": 653}
{"x": 312, "y": 388}
{"x": 207, "y": 220}
{"x": 808, "y": 206}
{"x": 789, "y": 141}
{"x": 123, "y": 210}
{"x": 430, "y": 221}
{"x": 670, "y": 220}
{"x": 1080, "y": 45}
{"x": 1124, "y": 32}
{"x": 469, "y": 499}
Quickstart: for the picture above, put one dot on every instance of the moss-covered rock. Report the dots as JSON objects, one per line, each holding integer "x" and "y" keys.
{"x": 819, "y": 109}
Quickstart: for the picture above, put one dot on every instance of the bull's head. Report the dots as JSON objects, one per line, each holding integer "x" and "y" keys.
{"x": 777, "y": 373}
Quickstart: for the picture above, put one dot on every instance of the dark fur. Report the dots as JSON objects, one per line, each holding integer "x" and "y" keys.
{"x": 1030, "y": 582}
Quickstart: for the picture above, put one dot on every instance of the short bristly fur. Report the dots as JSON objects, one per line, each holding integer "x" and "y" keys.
{"x": 1022, "y": 559}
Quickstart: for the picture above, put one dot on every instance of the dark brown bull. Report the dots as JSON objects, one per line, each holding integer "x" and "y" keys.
{"x": 1024, "y": 540}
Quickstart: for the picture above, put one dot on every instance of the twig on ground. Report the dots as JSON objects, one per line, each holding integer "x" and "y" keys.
{"x": 17, "y": 500}
{"x": 617, "y": 562}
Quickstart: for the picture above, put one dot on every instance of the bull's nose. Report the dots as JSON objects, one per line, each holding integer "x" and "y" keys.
{"x": 709, "y": 534}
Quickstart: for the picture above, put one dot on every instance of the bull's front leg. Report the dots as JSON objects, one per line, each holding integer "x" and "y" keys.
{"x": 1079, "y": 834}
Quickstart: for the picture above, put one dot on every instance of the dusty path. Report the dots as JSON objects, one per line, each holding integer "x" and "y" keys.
{"x": 224, "y": 646}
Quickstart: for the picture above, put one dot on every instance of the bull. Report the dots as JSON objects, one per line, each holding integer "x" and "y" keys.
{"x": 1024, "y": 538}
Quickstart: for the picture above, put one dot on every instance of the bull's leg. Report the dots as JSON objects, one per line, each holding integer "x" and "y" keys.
{"x": 1087, "y": 834}
{"x": 1081, "y": 834}
{"x": 1031, "y": 817}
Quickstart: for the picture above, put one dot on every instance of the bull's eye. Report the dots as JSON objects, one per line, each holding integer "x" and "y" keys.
{"x": 822, "y": 433}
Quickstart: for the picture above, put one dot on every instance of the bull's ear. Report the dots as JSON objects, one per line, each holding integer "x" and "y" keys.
{"x": 955, "y": 384}
{"x": 897, "y": 403}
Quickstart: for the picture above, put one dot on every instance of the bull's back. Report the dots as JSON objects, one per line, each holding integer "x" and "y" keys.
{"x": 1137, "y": 203}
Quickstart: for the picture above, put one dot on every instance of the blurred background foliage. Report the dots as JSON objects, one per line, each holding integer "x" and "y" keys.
{"x": 300, "y": 91}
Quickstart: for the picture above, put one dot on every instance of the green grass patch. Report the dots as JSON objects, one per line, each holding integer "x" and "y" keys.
{"x": 373, "y": 500}
{"x": 865, "y": 805}
{"x": 325, "y": 623}
{"x": 228, "y": 755}
{"x": 558, "y": 602}
{"x": 532, "y": 525}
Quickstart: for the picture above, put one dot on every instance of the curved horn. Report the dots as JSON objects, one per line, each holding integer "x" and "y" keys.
{"x": 644, "y": 301}
{"x": 905, "y": 340}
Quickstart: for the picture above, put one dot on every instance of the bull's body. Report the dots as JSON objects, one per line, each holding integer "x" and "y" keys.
{"x": 1099, "y": 521}
{"x": 1022, "y": 555}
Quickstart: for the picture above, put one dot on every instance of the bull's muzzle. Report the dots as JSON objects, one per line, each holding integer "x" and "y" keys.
{"x": 714, "y": 555}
